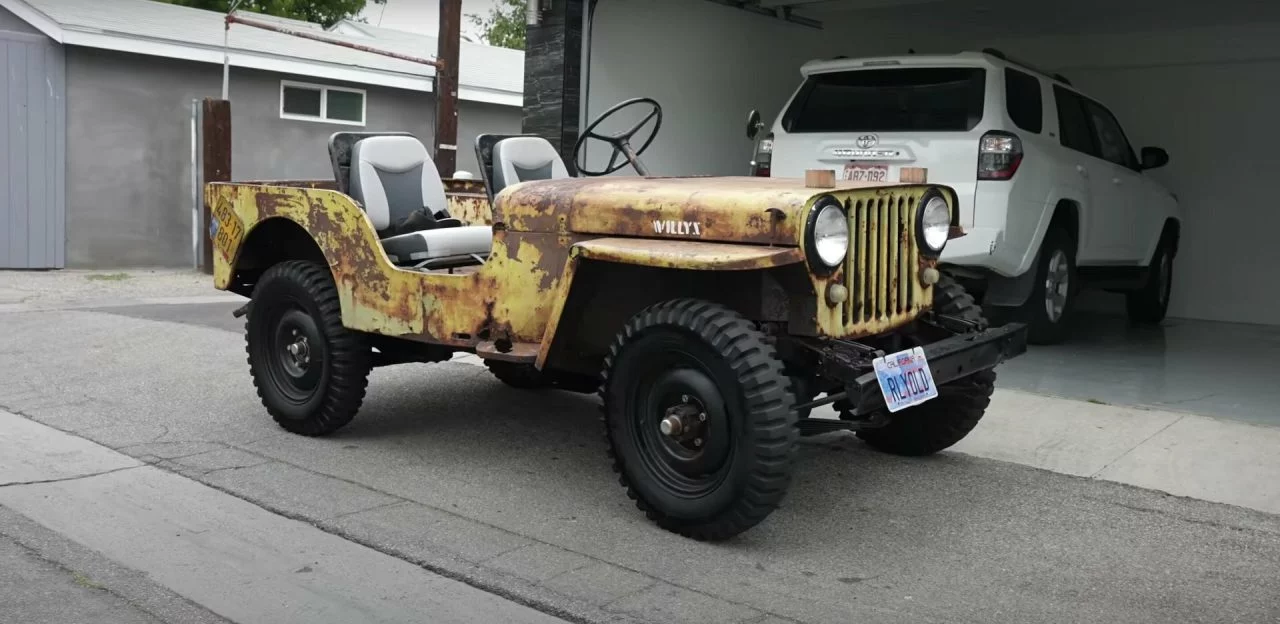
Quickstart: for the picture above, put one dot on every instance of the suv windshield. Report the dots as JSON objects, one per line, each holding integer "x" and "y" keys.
{"x": 889, "y": 100}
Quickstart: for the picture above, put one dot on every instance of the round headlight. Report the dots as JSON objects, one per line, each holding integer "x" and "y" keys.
{"x": 935, "y": 224}
{"x": 829, "y": 235}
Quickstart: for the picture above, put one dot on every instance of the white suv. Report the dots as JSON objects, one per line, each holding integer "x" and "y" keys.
{"x": 1052, "y": 196}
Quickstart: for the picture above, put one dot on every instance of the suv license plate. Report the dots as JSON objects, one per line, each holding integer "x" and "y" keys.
{"x": 905, "y": 379}
{"x": 866, "y": 173}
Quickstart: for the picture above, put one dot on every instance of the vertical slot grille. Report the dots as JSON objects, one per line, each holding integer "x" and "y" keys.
{"x": 880, "y": 268}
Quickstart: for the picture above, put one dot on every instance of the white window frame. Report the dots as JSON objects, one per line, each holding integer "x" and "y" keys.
{"x": 324, "y": 103}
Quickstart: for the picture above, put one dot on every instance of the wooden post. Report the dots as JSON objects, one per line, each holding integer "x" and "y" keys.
{"x": 447, "y": 87}
{"x": 216, "y": 161}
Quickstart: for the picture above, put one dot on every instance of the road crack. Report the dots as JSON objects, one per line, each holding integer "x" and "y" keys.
{"x": 75, "y": 478}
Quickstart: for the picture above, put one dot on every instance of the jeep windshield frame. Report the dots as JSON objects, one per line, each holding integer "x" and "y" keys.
{"x": 889, "y": 99}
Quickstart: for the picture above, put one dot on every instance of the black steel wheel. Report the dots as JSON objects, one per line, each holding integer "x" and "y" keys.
{"x": 938, "y": 424}
{"x": 698, "y": 417}
{"x": 309, "y": 370}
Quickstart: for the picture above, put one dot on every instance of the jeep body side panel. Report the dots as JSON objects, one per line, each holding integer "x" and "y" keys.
{"x": 681, "y": 255}
{"x": 509, "y": 297}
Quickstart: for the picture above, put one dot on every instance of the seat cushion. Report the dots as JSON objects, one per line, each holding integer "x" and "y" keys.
{"x": 393, "y": 176}
{"x": 439, "y": 243}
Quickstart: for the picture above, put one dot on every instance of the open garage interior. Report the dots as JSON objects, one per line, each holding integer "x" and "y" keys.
{"x": 1195, "y": 78}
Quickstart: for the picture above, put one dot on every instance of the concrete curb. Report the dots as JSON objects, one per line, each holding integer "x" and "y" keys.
{"x": 209, "y": 547}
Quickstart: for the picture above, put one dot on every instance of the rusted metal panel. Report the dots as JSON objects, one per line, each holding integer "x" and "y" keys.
{"x": 468, "y": 201}
{"x": 690, "y": 255}
{"x": 311, "y": 184}
{"x": 510, "y": 297}
{"x": 518, "y": 294}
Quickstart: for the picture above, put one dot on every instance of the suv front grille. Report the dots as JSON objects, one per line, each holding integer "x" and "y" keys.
{"x": 880, "y": 272}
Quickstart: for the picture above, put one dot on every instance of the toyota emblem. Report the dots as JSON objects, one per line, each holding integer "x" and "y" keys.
{"x": 867, "y": 140}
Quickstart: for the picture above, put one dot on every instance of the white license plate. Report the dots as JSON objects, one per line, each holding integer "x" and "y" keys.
{"x": 905, "y": 379}
{"x": 866, "y": 173}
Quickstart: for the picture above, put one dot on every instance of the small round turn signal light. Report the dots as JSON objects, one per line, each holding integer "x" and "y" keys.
{"x": 837, "y": 294}
{"x": 929, "y": 276}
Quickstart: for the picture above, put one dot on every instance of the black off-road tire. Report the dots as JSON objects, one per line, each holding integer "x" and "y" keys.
{"x": 1149, "y": 304}
{"x": 301, "y": 295}
{"x": 1042, "y": 329}
{"x": 522, "y": 376}
{"x": 737, "y": 381}
{"x": 938, "y": 424}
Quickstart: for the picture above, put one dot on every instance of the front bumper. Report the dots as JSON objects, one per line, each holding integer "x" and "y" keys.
{"x": 950, "y": 359}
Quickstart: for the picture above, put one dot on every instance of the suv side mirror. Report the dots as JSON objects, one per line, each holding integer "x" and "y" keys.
{"x": 1154, "y": 158}
{"x": 754, "y": 124}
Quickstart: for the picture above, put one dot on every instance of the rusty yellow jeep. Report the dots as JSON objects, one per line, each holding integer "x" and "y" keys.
{"x": 711, "y": 314}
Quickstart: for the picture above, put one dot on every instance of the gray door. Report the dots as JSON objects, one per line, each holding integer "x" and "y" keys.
{"x": 33, "y": 114}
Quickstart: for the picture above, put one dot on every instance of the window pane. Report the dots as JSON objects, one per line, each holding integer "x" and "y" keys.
{"x": 302, "y": 101}
{"x": 1111, "y": 141}
{"x": 884, "y": 100}
{"x": 1022, "y": 98}
{"x": 346, "y": 106}
{"x": 1076, "y": 133}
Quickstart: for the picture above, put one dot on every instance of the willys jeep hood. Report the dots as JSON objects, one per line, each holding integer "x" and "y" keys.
{"x": 767, "y": 211}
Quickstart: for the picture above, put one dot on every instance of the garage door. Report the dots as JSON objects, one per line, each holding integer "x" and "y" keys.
{"x": 32, "y": 153}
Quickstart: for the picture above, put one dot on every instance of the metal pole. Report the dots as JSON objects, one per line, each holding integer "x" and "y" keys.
{"x": 447, "y": 46}
{"x": 226, "y": 60}
{"x": 236, "y": 19}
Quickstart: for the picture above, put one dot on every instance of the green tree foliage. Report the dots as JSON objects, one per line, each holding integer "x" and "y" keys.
{"x": 504, "y": 25}
{"x": 327, "y": 12}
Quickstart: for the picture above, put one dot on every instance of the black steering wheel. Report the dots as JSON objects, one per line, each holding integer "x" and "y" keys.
{"x": 620, "y": 142}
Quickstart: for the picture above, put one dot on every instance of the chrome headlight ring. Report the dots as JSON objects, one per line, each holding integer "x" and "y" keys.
{"x": 933, "y": 223}
{"x": 826, "y": 236}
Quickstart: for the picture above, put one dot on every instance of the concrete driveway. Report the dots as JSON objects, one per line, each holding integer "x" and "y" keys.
{"x": 510, "y": 491}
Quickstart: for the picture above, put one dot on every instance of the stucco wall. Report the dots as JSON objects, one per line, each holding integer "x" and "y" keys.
{"x": 129, "y": 147}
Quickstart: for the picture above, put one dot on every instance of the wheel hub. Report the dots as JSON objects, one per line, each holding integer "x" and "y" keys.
{"x": 684, "y": 422}
{"x": 299, "y": 350}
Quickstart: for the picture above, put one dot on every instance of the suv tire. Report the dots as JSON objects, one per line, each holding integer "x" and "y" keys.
{"x": 1150, "y": 303}
{"x": 938, "y": 424}
{"x": 1050, "y": 309}
{"x": 717, "y": 476}
{"x": 310, "y": 371}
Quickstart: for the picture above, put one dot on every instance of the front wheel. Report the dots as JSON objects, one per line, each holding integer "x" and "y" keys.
{"x": 697, "y": 413}
{"x": 938, "y": 424}
{"x": 310, "y": 371}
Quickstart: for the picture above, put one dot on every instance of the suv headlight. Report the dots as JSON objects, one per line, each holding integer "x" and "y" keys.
{"x": 827, "y": 235}
{"x": 934, "y": 226}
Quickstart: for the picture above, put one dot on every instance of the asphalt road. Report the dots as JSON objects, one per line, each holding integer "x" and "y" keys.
{"x": 511, "y": 491}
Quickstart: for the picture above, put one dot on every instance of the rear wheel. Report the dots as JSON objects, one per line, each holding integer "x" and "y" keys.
{"x": 309, "y": 370}
{"x": 942, "y": 422}
{"x": 697, "y": 413}
{"x": 1050, "y": 309}
{"x": 1151, "y": 302}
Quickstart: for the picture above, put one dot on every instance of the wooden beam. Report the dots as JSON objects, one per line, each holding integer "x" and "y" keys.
{"x": 216, "y": 152}
{"x": 447, "y": 87}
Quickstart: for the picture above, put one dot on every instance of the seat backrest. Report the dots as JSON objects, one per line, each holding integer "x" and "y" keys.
{"x": 393, "y": 176}
{"x": 524, "y": 158}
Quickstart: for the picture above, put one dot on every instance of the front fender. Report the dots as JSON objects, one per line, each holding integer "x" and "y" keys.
{"x": 689, "y": 255}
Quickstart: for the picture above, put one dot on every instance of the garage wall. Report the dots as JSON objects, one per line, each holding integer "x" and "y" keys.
{"x": 1209, "y": 97}
{"x": 706, "y": 64}
{"x": 1207, "y": 94}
